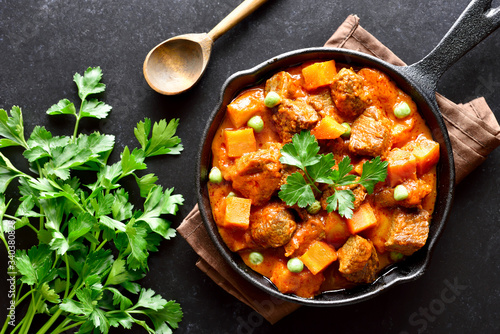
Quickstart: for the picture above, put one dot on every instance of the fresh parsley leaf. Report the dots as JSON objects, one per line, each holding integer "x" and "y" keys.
{"x": 156, "y": 204}
{"x": 162, "y": 139}
{"x": 166, "y": 318}
{"x": 49, "y": 294}
{"x": 97, "y": 143}
{"x": 374, "y": 171}
{"x": 25, "y": 209}
{"x": 301, "y": 152}
{"x": 120, "y": 299}
{"x": 148, "y": 299}
{"x": 340, "y": 175}
{"x": 97, "y": 263}
{"x": 35, "y": 266}
{"x": 63, "y": 107}
{"x": 146, "y": 183}
{"x": 322, "y": 171}
{"x": 95, "y": 109}
{"x": 343, "y": 201}
{"x": 132, "y": 162}
{"x": 7, "y": 172}
{"x": 121, "y": 208}
{"x": 89, "y": 308}
{"x": 12, "y": 128}
{"x": 138, "y": 246}
{"x": 112, "y": 223}
{"x": 296, "y": 190}
{"x": 118, "y": 273}
{"x": 89, "y": 83}
{"x": 78, "y": 227}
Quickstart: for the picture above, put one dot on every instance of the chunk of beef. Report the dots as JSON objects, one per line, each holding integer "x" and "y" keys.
{"x": 339, "y": 147}
{"x": 417, "y": 191}
{"x": 409, "y": 231}
{"x": 283, "y": 84}
{"x": 370, "y": 134}
{"x": 358, "y": 190}
{"x": 358, "y": 260}
{"x": 256, "y": 175}
{"x": 272, "y": 225}
{"x": 303, "y": 284}
{"x": 307, "y": 232}
{"x": 294, "y": 116}
{"x": 322, "y": 102}
{"x": 349, "y": 94}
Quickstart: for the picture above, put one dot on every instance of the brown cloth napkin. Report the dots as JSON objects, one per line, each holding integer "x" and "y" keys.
{"x": 473, "y": 130}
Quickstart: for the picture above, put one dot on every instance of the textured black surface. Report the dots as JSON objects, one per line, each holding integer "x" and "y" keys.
{"x": 43, "y": 43}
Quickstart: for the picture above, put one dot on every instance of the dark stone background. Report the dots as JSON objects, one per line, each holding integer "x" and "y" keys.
{"x": 43, "y": 43}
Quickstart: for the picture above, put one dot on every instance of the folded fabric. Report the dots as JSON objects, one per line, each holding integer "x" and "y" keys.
{"x": 474, "y": 133}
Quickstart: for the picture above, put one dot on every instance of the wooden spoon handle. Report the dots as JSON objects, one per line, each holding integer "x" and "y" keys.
{"x": 238, "y": 14}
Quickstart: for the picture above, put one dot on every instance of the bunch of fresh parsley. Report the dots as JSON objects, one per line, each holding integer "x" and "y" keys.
{"x": 299, "y": 188}
{"x": 93, "y": 245}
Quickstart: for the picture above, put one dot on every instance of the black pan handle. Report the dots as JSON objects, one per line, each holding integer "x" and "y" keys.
{"x": 476, "y": 22}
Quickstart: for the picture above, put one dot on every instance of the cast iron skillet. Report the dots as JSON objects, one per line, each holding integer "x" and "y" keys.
{"x": 419, "y": 81}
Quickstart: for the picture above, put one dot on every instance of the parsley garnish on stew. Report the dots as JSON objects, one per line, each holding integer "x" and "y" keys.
{"x": 299, "y": 189}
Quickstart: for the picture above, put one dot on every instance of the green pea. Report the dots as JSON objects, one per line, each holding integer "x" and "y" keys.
{"x": 256, "y": 123}
{"x": 256, "y": 258}
{"x": 400, "y": 193}
{"x": 347, "y": 132}
{"x": 402, "y": 110}
{"x": 295, "y": 265}
{"x": 215, "y": 175}
{"x": 272, "y": 99}
{"x": 395, "y": 256}
{"x": 314, "y": 208}
{"x": 231, "y": 194}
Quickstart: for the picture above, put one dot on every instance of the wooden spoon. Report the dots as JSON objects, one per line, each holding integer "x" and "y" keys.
{"x": 176, "y": 64}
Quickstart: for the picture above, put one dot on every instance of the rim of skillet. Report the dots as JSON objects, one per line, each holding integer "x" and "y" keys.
{"x": 408, "y": 270}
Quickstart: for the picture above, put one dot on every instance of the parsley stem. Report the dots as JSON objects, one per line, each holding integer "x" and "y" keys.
{"x": 102, "y": 244}
{"x": 5, "y": 324}
{"x": 30, "y": 314}
{"x": 49, "y": 323}
{"x": 4, "y": 242}
{"x": 311, "y": 181}
{"x": 63, "y": 329}
{"x": 66, "y": 291}
{"x": 19, "y": 289}
{"x": 23, "y": 297}
{"x": 15, "y": 328}
{"x": 75, "y": 132}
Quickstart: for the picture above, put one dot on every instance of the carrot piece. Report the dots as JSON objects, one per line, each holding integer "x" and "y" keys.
{"x": 239, "y": 142}
{"x": 328, "y": 128}
{"x": 358, "y": 168}
{"x": 426, "y": 153}
{"x": 236, "y": 239}
{"x": 362, "y": 219}
{"x": 237, "y": 212}
{"x": 318, "y": 256}
{"x": 380, "y": 233}
{"x": 402, "y": 165}
{"x": 336, "y": 230}
{"x": 319, "y": 74}
{"x": 241, "y": 109}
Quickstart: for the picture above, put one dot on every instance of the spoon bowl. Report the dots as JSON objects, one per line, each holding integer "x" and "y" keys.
{"x": 175, "y": 65}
